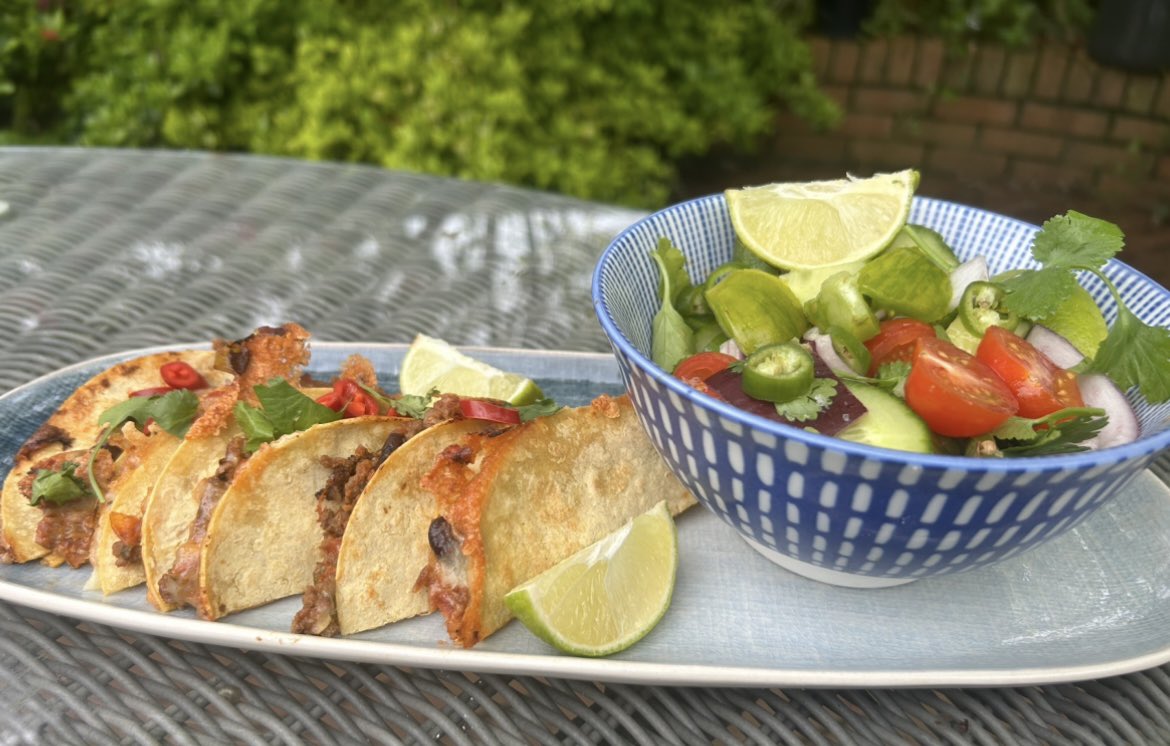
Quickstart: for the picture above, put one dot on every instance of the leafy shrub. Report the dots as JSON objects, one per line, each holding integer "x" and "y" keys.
{"x": 1010, "y": 22}
{"x": 596, "y": 98}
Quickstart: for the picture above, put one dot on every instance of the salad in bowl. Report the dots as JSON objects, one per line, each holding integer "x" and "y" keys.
{"x": 949, "y": 357}
{"x": 873, "y": 387}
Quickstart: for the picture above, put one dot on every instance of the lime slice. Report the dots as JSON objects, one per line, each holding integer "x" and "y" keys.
{"x": 433, "y": 364}
{"x": 1079, "y": 320}
{"x": 607, "y": 596}
{"x": 804, "y": 225}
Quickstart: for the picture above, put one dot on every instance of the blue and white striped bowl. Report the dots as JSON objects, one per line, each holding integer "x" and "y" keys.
{"x": 842, "y": 512}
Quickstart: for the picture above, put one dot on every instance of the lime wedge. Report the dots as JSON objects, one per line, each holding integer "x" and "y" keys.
{"x": 804, "y": 225}
{"x": 433, "y": 364}
{"x": 607, "y": 596}
{"x": 1079, "y": 320}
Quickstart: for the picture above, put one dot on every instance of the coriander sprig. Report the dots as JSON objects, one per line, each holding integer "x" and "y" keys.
{"x": 1133, "y": 353}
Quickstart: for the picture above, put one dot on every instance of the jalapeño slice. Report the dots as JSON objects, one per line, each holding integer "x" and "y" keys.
{"x": 778, "y": 373}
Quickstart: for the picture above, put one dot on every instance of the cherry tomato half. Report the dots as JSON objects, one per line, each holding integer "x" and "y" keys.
{"x": 702, "y": 366}
{"x": 477, "y": 409}
{"x": 956, "y": 394}
{"x": 895, "y": 341}
{"x": 1040, "y": 386}
{"x": 180, "y": 375}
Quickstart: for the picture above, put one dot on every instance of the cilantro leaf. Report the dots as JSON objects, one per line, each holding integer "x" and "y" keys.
{"x": 258, "y": 429}
{"x": 291, "y": 410}
{"x": 1077, "y": 241}
{"x": 672, "y": 338}
{"x": 283, "y": 410}
{"x": 1134, "y": 354}
{"x": 809, "y": 405}
{"x": 1063, "y": 431}
{"x": 411, "y": 405}
{"x": 57, "y": 487}
{"x": 538, "y": 408}
{"x": 406, "y": 405}
{"x": 1036, "y": 293}
{"x": 890, "y": 376}
{"x": 173, "y": 411}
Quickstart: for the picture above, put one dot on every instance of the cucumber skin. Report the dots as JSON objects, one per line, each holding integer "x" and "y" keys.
{"x": 887, "y": 423}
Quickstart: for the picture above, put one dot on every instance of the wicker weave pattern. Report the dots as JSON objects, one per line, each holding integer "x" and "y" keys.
{"x": 103, "y": 251}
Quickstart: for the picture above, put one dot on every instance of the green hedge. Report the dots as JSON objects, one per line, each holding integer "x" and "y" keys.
{"x": 595, "y": 98}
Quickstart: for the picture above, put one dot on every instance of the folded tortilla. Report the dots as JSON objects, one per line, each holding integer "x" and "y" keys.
{"x": 75, "y": 426}
{"x": 513, "y": 505}
{"x": 117, "y": 564}
{"x": 264, "y": 538}
{"x": 385, "y": 547}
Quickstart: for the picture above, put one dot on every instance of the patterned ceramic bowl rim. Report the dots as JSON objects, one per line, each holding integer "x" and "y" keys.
{"x": 1074, "y": 461}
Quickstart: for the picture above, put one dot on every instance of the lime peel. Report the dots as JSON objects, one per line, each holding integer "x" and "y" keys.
{"x": 607, "y": 596}
{"x": 431, "y": 363}
{"x": 807, "y": 225}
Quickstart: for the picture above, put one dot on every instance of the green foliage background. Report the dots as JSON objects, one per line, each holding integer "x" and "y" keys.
{"x": 596, "y": 98}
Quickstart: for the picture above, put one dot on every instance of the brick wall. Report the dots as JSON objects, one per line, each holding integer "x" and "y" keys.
{"x": 1047, "y": 118}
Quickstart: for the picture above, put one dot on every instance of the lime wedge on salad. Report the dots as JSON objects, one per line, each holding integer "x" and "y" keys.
{"x": 433, "y": 364}
{"x": 805, "y": 225}
{"x": 607, "y": 596}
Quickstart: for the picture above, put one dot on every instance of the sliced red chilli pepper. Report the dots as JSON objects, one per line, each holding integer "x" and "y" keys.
{"x": 180, "y": 375}
{"x": 477, "y": 409}
{"x": 361, "y": 404}
{"x": 331, "y": 400}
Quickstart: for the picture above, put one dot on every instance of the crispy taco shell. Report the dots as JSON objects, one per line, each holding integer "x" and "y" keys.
{"x": 264, "y": 538}
{"x": 125, "y": 500}
{"x": 519, "y": 503}
{"x": 75, "y": 425}
{"x": 173, "y": 504}
{"x": 385, "y": 545}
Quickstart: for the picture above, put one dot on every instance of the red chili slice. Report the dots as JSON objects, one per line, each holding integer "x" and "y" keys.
{"x": 361, "y": 404}
{"x": 180, "y": 375}
{"x": 155, "y": 391}
{"x": 477, "y": 409}
{"x": 331, "y": 400}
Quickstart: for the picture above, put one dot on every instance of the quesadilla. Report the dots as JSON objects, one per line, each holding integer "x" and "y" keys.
{"x": 512, "y": 504}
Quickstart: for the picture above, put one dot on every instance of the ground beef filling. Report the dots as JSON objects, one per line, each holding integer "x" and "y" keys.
{"x": 335, "y": 503}
{"x": 180, "y": 585}
{"x": 66, "y": 530}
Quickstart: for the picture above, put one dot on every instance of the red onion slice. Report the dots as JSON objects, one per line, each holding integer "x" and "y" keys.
{"x": 823, "y": 344}
{"x": 1058, "y": 349}
{"x": 1099, "y": 391}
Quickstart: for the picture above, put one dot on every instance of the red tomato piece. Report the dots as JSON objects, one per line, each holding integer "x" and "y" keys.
{"x": 477, "y": 409}
{"x": 1040, "y": 386}
{"x": 153, "y": 391}
{"x": 895, "y": 341}
{"x": 956, "y": 394}
{"x": 180, "y": 375}
{"x": 702, "y": 366}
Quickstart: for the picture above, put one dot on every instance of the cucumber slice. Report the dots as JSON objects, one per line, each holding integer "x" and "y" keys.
{"x": 888, "y": 422}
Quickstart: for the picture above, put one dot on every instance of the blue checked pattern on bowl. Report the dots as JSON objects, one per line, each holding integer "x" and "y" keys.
{"x": 841, "y": 511}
